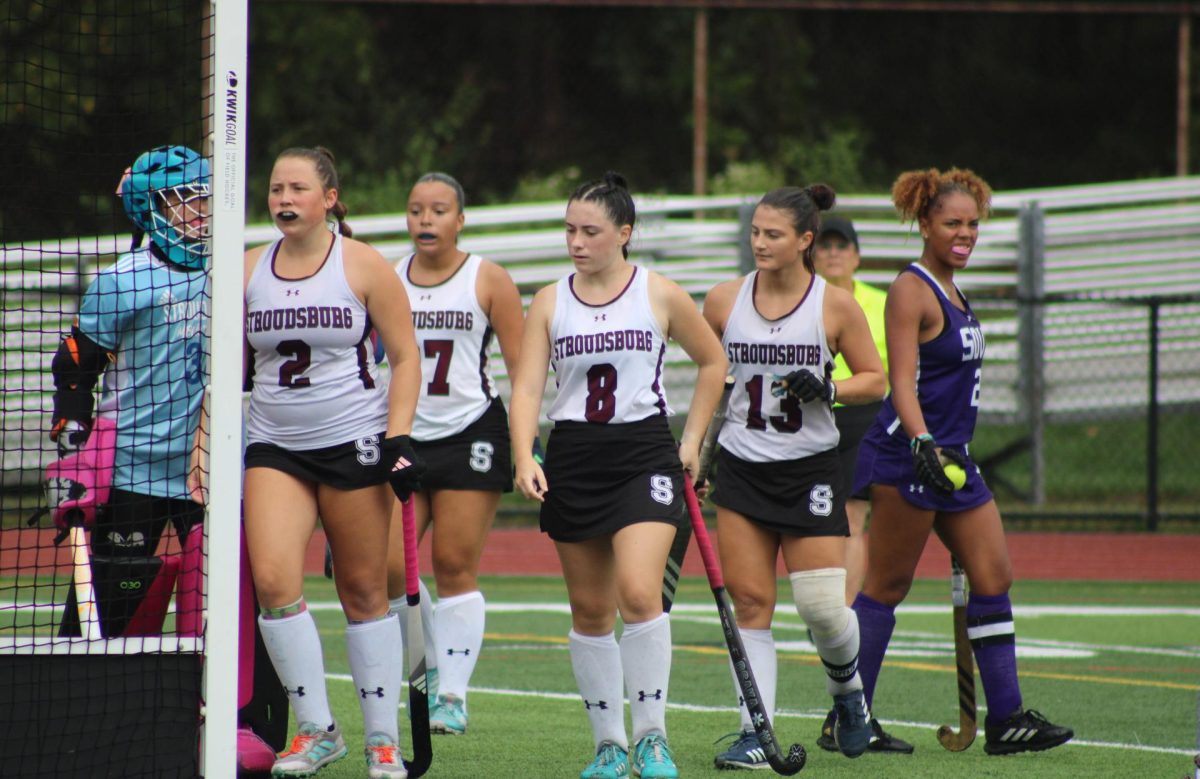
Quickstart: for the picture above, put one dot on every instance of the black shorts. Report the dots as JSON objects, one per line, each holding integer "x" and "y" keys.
{"x": 132, "y": 524}
{"x": 478, "y": 458}
{"x": 852, "y": 424}
{"x": 793, "y": 497}
{"x": 602, "y": 478}
{"x": 349, "y": 466}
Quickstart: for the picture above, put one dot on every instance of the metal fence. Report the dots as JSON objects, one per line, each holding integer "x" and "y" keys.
{"x": 1089, "y": 297}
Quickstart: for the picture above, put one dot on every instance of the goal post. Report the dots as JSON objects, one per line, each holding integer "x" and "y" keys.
{"x": 228, "y": 92}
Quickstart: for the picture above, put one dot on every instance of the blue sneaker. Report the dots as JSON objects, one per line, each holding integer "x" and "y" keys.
{"x": 312, "y": 749}
{"x": 746, "y": 752}
{"x": 652, "y": 759}
{"x": 612, "y": 762}
{"x": 448, "y": 716}
{"x": 852, "y": 731}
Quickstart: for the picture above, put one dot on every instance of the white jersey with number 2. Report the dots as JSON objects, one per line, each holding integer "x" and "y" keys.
{"x": 315, "y": 380}
{"x": 607, "y": 359}
{"x": 760, "y": 427}
{"x": 453, "y": 338}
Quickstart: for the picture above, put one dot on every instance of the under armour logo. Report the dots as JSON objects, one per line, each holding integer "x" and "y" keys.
{"x": 602, "y": 705}
{"x": 426, "y": 296}
{"x": 452, "y": 652}
{"x": 775, "y": 329}
{"x": 643, "y": 695}
{"x": 600, "y": 318}
{"x": 377, "y": 692}
{"x": 292, "y": 291}
{"x": 916, "y": 488}
{"x": 298, "y": 692}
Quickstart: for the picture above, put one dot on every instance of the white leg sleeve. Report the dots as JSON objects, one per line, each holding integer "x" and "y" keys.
{"x": 646, "y": 658}
{"x": 295, "y": 649}
{"x": 760, "y": 651}
{"x": 820, "y": 601}
{"x": 596, "y": 661}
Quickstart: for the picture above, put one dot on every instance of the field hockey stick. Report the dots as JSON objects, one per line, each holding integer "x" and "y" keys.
{"x": 85, "y": 591}
{"x": 683, "y": 535}
{"x": 796, "y": 756}
{"x": 418, "y": 685}
{"x": 967, "y": 728}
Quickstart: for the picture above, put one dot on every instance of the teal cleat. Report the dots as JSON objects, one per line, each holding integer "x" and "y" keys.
{"x": 448, "y": 716}
{"x": 612, "y": 762}
{"x": 383, "y": 758}
{"x": 652, "y": 759}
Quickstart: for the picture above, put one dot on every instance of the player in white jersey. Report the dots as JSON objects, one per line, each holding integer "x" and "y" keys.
{"x": 612, "y": 487}
{"x": 459, "y": 302}
{"x": 778, "y": 480}
{"x": 325, "y": 435}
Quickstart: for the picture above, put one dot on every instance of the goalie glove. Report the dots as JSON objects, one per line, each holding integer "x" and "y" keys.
{"x": 405, "y": 466}
{"x": 928, "y": 463}
{"x": 805, "y": 385}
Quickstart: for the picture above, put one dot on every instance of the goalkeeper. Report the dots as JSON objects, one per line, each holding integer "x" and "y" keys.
{"x": 141, "y": 332}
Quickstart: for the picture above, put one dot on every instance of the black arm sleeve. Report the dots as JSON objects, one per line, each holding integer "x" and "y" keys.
{"x": 76, "y": 366}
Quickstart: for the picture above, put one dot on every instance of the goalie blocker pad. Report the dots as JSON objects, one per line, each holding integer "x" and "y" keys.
{"x": 75, "y": 368}
{"x": 79, "y": 484}
{"x": 132, "y": 595}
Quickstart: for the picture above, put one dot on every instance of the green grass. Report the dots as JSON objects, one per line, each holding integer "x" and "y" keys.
{"x": 1129, "y": 687}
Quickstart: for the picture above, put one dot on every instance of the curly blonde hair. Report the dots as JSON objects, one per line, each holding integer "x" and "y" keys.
{"x": 917, "y": 192}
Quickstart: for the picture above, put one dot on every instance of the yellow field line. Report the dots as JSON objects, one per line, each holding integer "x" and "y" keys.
{"x": 906, "y": 664}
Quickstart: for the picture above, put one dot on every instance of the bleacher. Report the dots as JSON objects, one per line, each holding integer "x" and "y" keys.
{"x": 1062, "y": 278}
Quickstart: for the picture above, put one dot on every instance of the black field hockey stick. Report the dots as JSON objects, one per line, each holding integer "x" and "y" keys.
{"x": 967, "y": 728}
{"x": 796, "y": 756}
{"x": 418, "y": 683}
{"x": 679, "y": 548}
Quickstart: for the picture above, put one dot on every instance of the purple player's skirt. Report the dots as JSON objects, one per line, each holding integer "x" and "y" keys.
{"x": 884, "y": 459}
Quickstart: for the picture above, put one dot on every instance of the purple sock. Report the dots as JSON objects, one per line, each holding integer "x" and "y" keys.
{"x": 876, "y": 621}
{"x": 994, "y": 641}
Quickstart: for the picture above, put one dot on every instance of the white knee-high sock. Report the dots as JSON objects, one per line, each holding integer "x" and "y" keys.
{"x": 596, "y": 661}
{"x": 458, "y": 632}
{"x": 760, "y": 651}
{"x": 839, "y": 654}
{"x": 399, "y": 607}
{"x": 295, "y": 649}
{"x": 646, "y": 658}
{"x": 373, "y": 650}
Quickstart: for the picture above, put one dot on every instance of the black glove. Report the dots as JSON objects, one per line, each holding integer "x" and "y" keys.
{"x": 928, "y": 464}
{"x": 405, "y": 466}
{"x": 806, "y": 386}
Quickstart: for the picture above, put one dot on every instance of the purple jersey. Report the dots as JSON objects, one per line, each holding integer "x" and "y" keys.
{"x": 948, "y": 372}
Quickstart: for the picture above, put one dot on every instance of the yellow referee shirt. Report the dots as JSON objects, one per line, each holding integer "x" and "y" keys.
{"x": 872, "y": 300}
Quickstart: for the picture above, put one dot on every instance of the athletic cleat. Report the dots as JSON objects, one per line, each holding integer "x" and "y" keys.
{"x": 852, "y": 731}
{"x": 652, "y": 759}
{"x": 448, "y": 716}
{"x": 254, "y": 756}
{"x": 825, "y": 740}
{"x": 881, "y": 740}
{"x": 1025, "y": 731}
{"x": 312, "y": 749}
{"x": 746, "y": 752}
{"x": 612, "y": 762}
{"x": 383, "y": 758}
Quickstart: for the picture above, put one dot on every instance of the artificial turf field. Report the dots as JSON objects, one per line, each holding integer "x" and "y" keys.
{"x": 1119, "y": 662}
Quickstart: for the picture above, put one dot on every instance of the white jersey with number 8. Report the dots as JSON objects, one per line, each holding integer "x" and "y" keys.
{"x": 607, "y": 359}
{"x": 454, "y": 337}
{"x": 315, "y": 380}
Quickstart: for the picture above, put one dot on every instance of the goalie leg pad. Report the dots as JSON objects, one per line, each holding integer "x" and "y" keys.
{"x": 189, "y": 598}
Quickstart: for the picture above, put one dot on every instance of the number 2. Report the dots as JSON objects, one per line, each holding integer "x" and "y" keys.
{"x": 290, "y": 370}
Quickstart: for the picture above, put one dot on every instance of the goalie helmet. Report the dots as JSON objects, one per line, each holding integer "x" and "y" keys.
{"x": 162, "y": 193}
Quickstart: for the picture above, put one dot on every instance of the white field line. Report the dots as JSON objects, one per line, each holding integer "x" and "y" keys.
{"x": 786, "y": 713}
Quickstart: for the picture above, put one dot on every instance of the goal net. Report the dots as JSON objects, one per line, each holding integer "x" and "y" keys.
{"x": 110, "y": 120}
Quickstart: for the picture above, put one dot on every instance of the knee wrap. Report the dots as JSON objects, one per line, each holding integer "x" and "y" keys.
{"x": 820, "y": 598}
